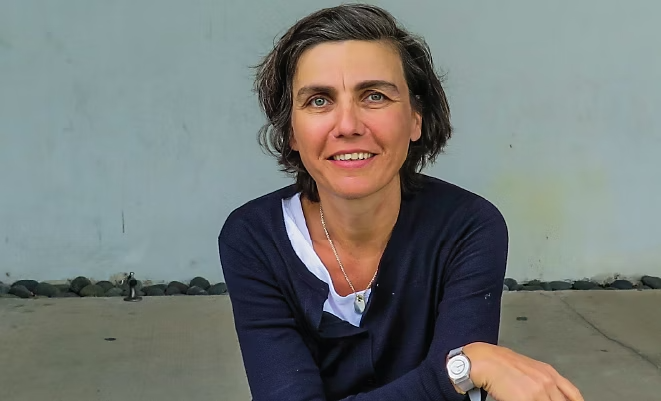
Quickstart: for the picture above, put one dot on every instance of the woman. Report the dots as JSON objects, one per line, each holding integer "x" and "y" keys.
{"x": 367, "y": 280}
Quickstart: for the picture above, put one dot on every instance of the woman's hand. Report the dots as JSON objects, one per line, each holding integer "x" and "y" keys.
{"x": 509, "y": 376}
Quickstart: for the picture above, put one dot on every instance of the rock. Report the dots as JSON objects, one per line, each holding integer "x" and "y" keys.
{"x": 173, "y": 291}
{"x": 546, "y": 286}
{"x": 195, "y": 290}
{"x": 30, "y": 285}
{"x": 106, "y": 285}
{"x": 114, "y": 292}
{"x": 644, "y": 287}
{"x": 532, "y": 288}
{"x": 4, "y": 288}
{"x": 218, "y": 289}
{"x": 161, "y": 286}
{"x": 47, "y": 290}
{"x": 200, "y": 282}
{"x": 79, "y": 283}
{"x": 63, "y": 287}
{"x": 92, "y": 290}
{"x": 583, "y": 285}
{"x": 8, "y": 296}
{"x": 560, "y": 285}
{"x": 183, "y": 288}
{"x": 153, "y": 291}
{"x": 622, "y": 285}
{"x": 534, "y": 283}
{"x": 20, "y": 291}
{"x": 652, "y": 282}
{"x": 67, "y": 294}
{"x": 505, "y": 288}
{"x": 511, "y": 283}
{"x": 597, "y": 288}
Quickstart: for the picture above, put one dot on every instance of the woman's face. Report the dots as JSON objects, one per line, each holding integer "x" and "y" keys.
{"x": 352, "y": 118}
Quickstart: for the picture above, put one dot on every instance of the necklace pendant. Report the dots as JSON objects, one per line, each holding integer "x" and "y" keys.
{"x": 359, "y": 304}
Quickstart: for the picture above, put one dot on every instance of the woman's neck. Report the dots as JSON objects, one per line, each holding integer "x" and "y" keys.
{"x": 356, "y": 223}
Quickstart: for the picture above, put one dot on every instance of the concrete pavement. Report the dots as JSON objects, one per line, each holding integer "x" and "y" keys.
{"x": 169, "y": 348}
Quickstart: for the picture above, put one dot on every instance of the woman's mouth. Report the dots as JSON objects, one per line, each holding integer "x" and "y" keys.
{"x": 353, "y": 156}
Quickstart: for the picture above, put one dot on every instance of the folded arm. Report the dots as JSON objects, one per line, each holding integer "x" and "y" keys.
{"x": 279, "y": 365}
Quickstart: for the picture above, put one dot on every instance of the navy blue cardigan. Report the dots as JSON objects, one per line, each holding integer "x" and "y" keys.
{"x": 438, "y": 287}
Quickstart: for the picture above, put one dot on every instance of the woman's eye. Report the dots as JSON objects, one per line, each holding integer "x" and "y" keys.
{"x": 375, "y": 97}
{"x": 319, "y": 102}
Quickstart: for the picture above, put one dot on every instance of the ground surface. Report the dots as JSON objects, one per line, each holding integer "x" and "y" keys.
{"x": 171, "y": 348}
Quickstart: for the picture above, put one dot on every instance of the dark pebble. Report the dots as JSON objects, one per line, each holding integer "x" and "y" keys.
{"x": 622, "y": 285}
{"x": 4, "y": 288}
{"x": 218, "y": 289}
{"x": 63, "y": 287}
{"x": 46, "y": 289}
{"x": 583, "y": 285}
{"x": 194, "y": 290}
{"x": 153, "y": 291}
{"x": 511, "y": 283}
{"x": 560, "y": 285}
{"x": 106, "y": 285}
{"x": 652, "y": 282}
{"x": 532, "y": 288}
{"x": 30, "y": 285}
{"x": 183, "y": 288}
{"x": 114, "y": 292}
{"x": 20, "y": 291}
{"x": 173, "y": 291}
{"x": 79, "y": 283}
{"x": 200, "y": 282}
{"x": 92, "y": 290}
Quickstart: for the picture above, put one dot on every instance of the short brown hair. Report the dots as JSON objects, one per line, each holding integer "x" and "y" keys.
{"x": 275, "y": 74}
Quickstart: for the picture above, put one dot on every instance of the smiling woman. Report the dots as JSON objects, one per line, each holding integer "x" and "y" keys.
{"x": 366, "y": 279}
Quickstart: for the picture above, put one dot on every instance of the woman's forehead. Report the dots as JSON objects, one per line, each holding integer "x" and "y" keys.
{"x": 346, "y": 64}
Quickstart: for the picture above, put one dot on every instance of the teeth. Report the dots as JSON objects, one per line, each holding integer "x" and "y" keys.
{"x": 353, "y": 156}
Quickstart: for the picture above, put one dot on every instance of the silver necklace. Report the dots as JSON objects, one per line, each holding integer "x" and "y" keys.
{"x": 359, "y": 302}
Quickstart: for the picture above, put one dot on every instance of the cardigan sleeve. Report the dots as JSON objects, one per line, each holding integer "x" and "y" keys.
{"x": 279, "y": 365}
{"x": 468, "y": 312}
{"x": 277, "y": 362}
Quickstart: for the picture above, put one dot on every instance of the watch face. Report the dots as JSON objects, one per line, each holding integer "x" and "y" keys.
{"x": 458, "y": 366}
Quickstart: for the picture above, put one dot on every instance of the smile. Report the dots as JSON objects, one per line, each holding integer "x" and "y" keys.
{"x": 353, "y": 156}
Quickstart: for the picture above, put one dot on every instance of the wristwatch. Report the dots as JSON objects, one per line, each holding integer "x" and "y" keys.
{"x": 459, "y": 369}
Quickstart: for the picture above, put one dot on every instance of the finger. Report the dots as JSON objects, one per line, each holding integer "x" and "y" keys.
{"x": 555, "y": 394}
{"x": 570, "y": 391}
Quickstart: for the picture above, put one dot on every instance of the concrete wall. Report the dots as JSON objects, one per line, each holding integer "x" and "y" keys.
{"x": 127, "y": 129}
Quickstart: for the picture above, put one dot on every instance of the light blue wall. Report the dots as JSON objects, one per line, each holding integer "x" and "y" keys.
{"x": 127, "y": 129}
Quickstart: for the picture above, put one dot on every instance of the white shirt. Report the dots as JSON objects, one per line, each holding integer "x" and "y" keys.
{"x": 299, "y": 236}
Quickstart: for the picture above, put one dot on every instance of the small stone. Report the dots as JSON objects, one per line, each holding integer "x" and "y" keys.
{"x": 511, "y": 283}
{"x": 652, "y": 282}
{"x": 195, "y": 290}
{"x": 20, "y": 291}
{"x": 153, "y": 291}
{"x": 583, "y": 285}
{"x": 622, "y": 285}
{"x": 4, "y": 288}
{"x": 218, "y": 289}
{"x": 114, "y": 292}
{"x": 183, "y": 288}
{"x": 79, "y": 283}
{"x": 67, "y": 294}
{"x": 106, "y": 285}
{"x": 560, "y": 285}
{"x": 92, "y": 290}
{"x": 63, "y": 287}
{"x": 532, "y": 288}
{"x": 200, "y": 282}
{"x": 173, "y": 291}
{"x": 29, "y": 284}
{"x": 46, "y": 289}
